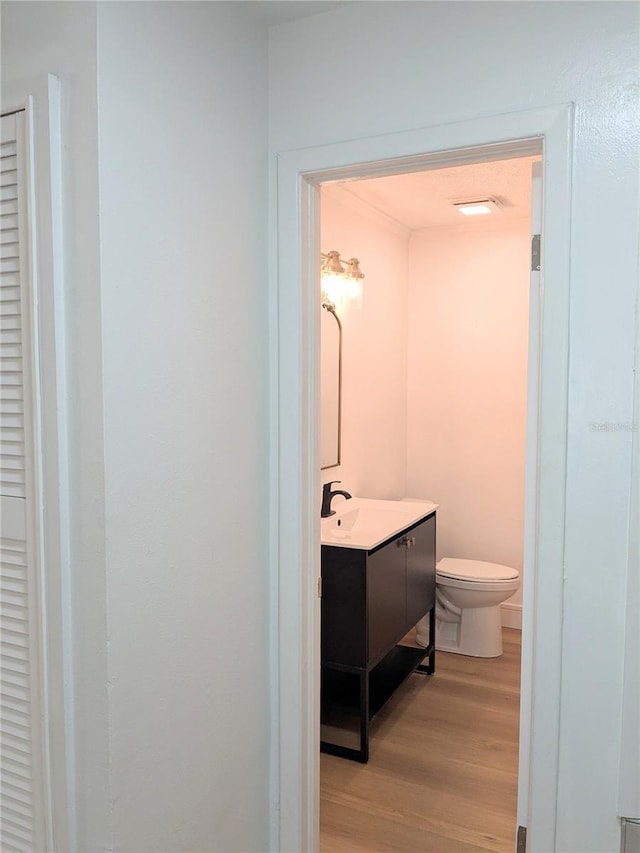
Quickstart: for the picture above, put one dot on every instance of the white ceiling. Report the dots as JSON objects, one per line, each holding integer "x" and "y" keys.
{"x": 274, "y": 12}
{"x": 423, "y": 199}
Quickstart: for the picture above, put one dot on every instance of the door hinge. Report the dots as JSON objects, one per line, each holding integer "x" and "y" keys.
{"x": 535, "y": 252}
{"x": 320, "y": 587}
{"x": 521, "y": 840}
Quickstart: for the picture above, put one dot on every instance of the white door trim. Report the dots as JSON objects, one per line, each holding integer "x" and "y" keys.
{"x": 536, "y": 305}
{"x": 629, "y": 785}
{"x": 295, "y": 482}
{"x": 48, "y": 514}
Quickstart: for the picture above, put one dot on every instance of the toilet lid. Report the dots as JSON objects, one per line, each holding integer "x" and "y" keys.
{"x": 474, "y": 570}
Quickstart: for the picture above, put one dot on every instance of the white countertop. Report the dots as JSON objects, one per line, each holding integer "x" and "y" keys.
{"x": 363, "y": 523}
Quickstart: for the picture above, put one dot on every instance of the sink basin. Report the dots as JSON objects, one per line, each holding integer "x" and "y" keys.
{"x": 364, "y": 523}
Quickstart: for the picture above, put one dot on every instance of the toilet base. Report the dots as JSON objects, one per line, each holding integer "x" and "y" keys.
{"x": 478, "y": 633}
{"x": 422, "y": 633}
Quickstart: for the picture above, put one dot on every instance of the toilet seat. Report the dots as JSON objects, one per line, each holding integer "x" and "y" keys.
{"x": 476, "y": 571}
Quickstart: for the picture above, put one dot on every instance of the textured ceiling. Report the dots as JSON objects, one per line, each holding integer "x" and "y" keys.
{"x": 423, "y": 199}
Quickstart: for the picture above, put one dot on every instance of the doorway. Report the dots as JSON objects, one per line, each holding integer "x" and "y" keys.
{"x": 297, "y": 486}
{"x": 434, "y": 407}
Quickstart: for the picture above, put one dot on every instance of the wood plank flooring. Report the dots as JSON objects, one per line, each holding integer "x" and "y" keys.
{"x": 443, "y": 766}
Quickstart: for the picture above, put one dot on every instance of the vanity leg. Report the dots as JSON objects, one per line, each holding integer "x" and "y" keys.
{"x": 364, "y": 716}
{"x": 431, "y": 668}
{"x": 430, "y": 652}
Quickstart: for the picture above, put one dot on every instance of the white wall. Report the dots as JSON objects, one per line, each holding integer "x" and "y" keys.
{"x": 182, "y": 93}
{"x": 60, "y": 38}
{"x": 467, "y": 377}
{"x": 374, "y": 356}
{"x": 378, "y": 68}
{"x": 166, "y": 350}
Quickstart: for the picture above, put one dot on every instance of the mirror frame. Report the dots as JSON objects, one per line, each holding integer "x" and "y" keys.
{"x": 330, "y": 307}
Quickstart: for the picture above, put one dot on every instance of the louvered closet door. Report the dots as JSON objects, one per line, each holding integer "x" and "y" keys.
{"x": 21, "y": 797}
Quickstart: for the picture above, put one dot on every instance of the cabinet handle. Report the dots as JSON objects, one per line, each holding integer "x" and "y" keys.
{"x": 411, "y": 542}
{"x": 402, "y": 543}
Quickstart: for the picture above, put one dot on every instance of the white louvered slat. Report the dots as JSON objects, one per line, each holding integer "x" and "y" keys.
{"x": 12, "y": 451}
{"x": 9, "y": 309}
{"x": 8, "y": 234}
{"x": 9, "y": 279}
{"x": 11, "y": 463}
{"x": 8, "y": 162}
{"x": 9, "y": 845}
{"x": 12, "y": 480}
{"x": 14, "y": 711}
{"x": 10, "y": 363}
{"x": 13, "y": 438}
{"x": 17, "y": 812}
{"x": 13, "y": 490}
{"x": 19, "y": 467}
{"x": 9, "y": 265}
{"x": 9, "y": 207}
{"x": 16, "y": 761}
{"x": 10, "y": 337}
{"x": 13, "y": 663}
{"x": 21, "y": 804}
{"x": 10, "y": 379}
{"x": 12, "y": 423}
{"x": 10, "y": 324}
{"x": 9, "y": 251}
{"x": 8, "y": 193}
{"x": 17, "y": 829}
{"x": 13, "y": 839}
{"x": 9, "y": 178}
{"x": 13, "y": 404}
{"x": 9, "y": 219}
{"x": 11, "y": 348}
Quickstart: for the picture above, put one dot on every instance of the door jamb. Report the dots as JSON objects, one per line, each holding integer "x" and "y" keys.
{"x": 295, "y": 482}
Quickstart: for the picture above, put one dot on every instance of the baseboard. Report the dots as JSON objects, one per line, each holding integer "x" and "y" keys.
{"x": 511, "y": 616}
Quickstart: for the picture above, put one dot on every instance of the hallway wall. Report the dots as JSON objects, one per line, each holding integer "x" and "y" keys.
{"x": 420, "y": 65}
{"x": 184, "y": 306}
{"x": 164, "y": 124}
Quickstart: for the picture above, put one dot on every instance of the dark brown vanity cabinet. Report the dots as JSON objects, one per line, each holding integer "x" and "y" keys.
{"x": 370, "y": 601}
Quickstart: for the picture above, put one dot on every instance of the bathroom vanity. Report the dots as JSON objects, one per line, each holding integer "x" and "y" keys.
{"x": 378, "y": 581}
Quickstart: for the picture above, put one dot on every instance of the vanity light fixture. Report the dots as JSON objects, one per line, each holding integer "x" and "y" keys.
{"x": 477, "y": 207}
{"x": 341, "y": 280}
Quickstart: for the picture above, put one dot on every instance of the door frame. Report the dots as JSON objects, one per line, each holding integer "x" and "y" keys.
{"x": 295, "y": 463}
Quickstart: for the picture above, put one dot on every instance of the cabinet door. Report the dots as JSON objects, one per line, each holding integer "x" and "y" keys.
{"x": 421, "y": 570}
{"x": 386, "y": 598}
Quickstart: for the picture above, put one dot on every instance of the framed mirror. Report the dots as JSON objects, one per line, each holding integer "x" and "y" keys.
{"x": 331, "y": 386}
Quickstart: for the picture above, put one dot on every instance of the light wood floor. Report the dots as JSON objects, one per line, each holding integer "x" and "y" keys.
{"x": 442, "y": 772}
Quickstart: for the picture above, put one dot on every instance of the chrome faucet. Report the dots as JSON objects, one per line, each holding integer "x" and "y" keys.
{"x": 328, "y": 495}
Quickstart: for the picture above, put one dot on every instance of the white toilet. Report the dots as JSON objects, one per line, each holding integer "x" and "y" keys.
{"x": 468, "y": 598}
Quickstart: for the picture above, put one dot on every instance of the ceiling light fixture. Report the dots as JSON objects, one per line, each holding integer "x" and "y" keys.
{"x": 477, "y": 207}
